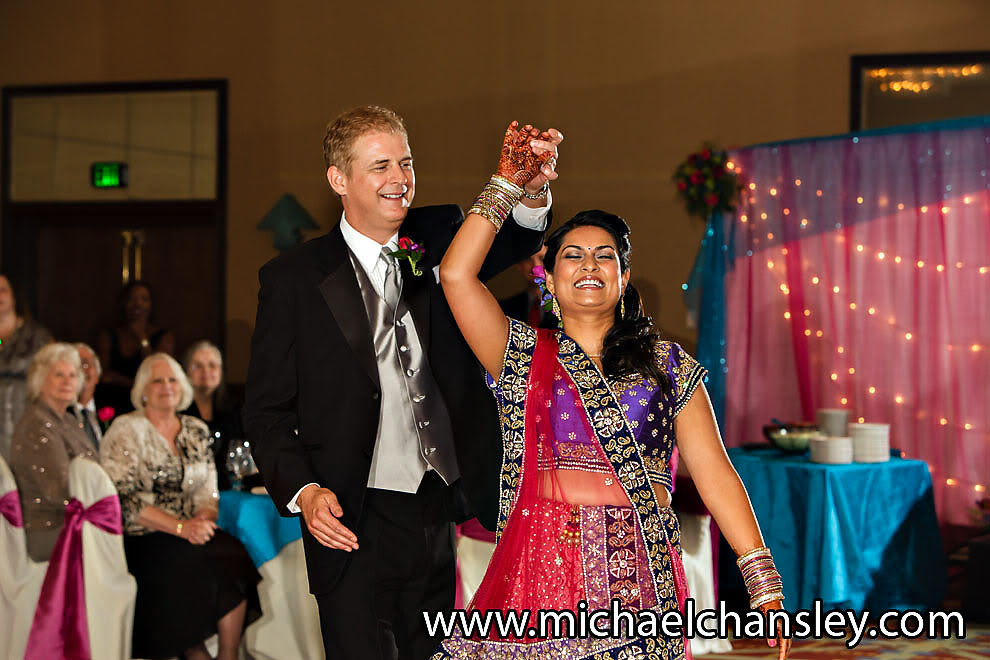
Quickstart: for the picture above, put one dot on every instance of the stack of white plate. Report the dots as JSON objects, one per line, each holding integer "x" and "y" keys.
{"x": 831, "y": 450}
{"x": 871, "y": 442}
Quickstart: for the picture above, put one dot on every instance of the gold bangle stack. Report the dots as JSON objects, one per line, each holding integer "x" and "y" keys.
{"x": 761, "y": 577}
{"x": 496, "y": 200}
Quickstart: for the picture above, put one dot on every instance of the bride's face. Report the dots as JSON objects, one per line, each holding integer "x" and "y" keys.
{"x": 587, "y": 272}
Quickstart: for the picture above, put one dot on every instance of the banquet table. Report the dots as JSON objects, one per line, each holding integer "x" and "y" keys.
{"x": 289, "y": 627}
{"x": 858, "y": 536}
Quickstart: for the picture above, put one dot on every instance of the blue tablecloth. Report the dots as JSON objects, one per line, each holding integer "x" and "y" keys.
{"x": 859, "y": 536}
{"x": 255, "y": 522}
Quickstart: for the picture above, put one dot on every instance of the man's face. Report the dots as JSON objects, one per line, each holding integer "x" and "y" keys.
{"x": 379, "y": 188}
{"x": 90, "y": 375}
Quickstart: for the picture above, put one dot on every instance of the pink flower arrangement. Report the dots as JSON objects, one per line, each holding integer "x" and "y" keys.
{"x": 105, "y": 414}
{"x": 706, "y": 184}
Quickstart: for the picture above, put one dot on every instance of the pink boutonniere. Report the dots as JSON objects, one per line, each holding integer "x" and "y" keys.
{"x": 105, "y": 414}
{"x": 411, "y": 252}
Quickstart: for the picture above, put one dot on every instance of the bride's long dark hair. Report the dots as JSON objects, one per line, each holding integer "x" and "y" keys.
{"x": 630, "y": 345}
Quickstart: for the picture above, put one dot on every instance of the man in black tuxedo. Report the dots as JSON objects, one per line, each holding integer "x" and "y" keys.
{"x": 365, "y": 409}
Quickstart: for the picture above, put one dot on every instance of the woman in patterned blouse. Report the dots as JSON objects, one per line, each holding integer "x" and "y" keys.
{"x": 193, "y": 579}
{"x": 590, "y": 415}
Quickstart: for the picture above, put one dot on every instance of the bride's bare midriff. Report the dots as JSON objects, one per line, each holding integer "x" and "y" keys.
{"x": 590, "y": 488}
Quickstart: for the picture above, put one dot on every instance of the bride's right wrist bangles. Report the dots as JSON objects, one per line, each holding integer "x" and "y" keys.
{"x": 496, "y": 200}
{"x": 761, "y": 577}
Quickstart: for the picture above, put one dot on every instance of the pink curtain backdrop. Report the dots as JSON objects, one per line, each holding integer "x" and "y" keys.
{"x": 860, "y": 279}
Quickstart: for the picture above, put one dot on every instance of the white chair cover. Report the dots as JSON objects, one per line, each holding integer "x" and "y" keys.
{"x": 696, "y": 547}
{"x": 110, "y": 589}
{"x": 290, "y": 623}
{"x": 473, "y": 556}
{"x": 20, "y": 580}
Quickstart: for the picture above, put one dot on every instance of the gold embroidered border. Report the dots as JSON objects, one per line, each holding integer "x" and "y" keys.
{"x": 513, "y": 387}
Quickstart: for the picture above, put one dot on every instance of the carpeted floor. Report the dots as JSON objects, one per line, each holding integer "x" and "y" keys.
{"x": 976, "y": 646}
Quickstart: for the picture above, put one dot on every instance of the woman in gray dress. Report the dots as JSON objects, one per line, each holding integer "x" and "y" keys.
{"x": 20, "y": 339}
{"x": 47, "y": 437}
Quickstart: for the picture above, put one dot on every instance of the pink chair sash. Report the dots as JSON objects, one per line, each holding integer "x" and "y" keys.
{"x": 59, "y": 629}
{"x": 10, "y": 508}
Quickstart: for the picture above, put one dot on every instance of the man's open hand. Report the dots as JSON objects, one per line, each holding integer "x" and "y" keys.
{"x": 321, "y": 510}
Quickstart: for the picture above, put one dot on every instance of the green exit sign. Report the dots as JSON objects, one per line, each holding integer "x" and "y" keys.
{"x": 108, "y": 175}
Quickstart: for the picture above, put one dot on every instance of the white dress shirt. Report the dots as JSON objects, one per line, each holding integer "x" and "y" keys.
{"x": 368, "y": 252}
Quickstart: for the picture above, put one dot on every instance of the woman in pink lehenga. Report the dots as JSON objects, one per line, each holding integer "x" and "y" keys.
{"x": 590, "y": 414}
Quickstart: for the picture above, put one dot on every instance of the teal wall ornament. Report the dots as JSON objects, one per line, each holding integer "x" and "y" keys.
{"x": 286, "y": 220}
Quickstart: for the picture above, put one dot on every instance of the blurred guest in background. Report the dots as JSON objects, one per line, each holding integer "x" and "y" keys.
{"x": 204, "y": 364}
{"x": 46, "y": 438}
{"x": 122, "y": 348}
{"x": 527, "y": 306}
{"x": 85, "y": 407}
{"x": 20, "y": 339}
{"x": 193, "y": 579}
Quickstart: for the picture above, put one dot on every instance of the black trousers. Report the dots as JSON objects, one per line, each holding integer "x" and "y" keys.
{"x": 405, "y": 565}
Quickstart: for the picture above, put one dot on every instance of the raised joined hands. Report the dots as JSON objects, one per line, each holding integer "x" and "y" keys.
{"x": 529, "y": 156}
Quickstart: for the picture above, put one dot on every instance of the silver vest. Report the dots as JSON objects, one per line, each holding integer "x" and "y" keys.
{"x": 414, "y": 429}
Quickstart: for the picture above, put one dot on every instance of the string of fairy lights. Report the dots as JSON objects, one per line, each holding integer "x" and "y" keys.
{"x": 921, "y": 79}
{"x": 869, "y": 310}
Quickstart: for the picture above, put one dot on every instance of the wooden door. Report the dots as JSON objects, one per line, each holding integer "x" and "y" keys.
{"x": 79, "y": 271}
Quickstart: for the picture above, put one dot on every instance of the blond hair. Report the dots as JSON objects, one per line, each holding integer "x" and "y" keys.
{"x": 143, "y": 377}
{"x": 45, "y": 359}
{"x": 342, "y": 132}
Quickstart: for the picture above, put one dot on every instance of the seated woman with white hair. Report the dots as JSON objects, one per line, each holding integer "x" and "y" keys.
{"x": 193, "y": 579}
{"x": 204, "y": 364}
{"x": 47, "y": 437}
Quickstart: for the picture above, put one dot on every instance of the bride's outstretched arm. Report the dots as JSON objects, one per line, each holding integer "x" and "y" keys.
{"x": 526, "y": 154}
{"x": 720, "y": 487}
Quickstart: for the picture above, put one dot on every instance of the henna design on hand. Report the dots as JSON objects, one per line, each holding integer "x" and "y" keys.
{"x": 518, "y": 162}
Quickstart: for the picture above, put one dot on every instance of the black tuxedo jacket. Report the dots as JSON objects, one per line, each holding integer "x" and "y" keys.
{"x": 517, "y": 307}
{"x": 312, "y": 397}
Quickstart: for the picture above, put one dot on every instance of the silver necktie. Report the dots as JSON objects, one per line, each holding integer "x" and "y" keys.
{"x": 391, "y": 289}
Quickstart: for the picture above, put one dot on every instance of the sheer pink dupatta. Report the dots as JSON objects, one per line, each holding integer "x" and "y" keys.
{"x": 534, "y": 567}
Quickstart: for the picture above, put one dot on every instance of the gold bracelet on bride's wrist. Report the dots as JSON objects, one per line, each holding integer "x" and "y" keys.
{"x": 496, "y": 200}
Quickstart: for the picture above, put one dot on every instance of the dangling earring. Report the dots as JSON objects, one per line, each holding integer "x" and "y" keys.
{"x": 556, "y": 310}
{"x": 622, "y": 307}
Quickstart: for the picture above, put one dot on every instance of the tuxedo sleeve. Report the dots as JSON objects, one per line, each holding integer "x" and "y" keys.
{"x": 270, "y": 397}
{"x": 512, "y": 244}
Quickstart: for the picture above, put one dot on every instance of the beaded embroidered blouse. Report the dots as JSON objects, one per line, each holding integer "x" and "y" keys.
{"x": 146, "y": 472}
{"x": 650, "y": 409}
